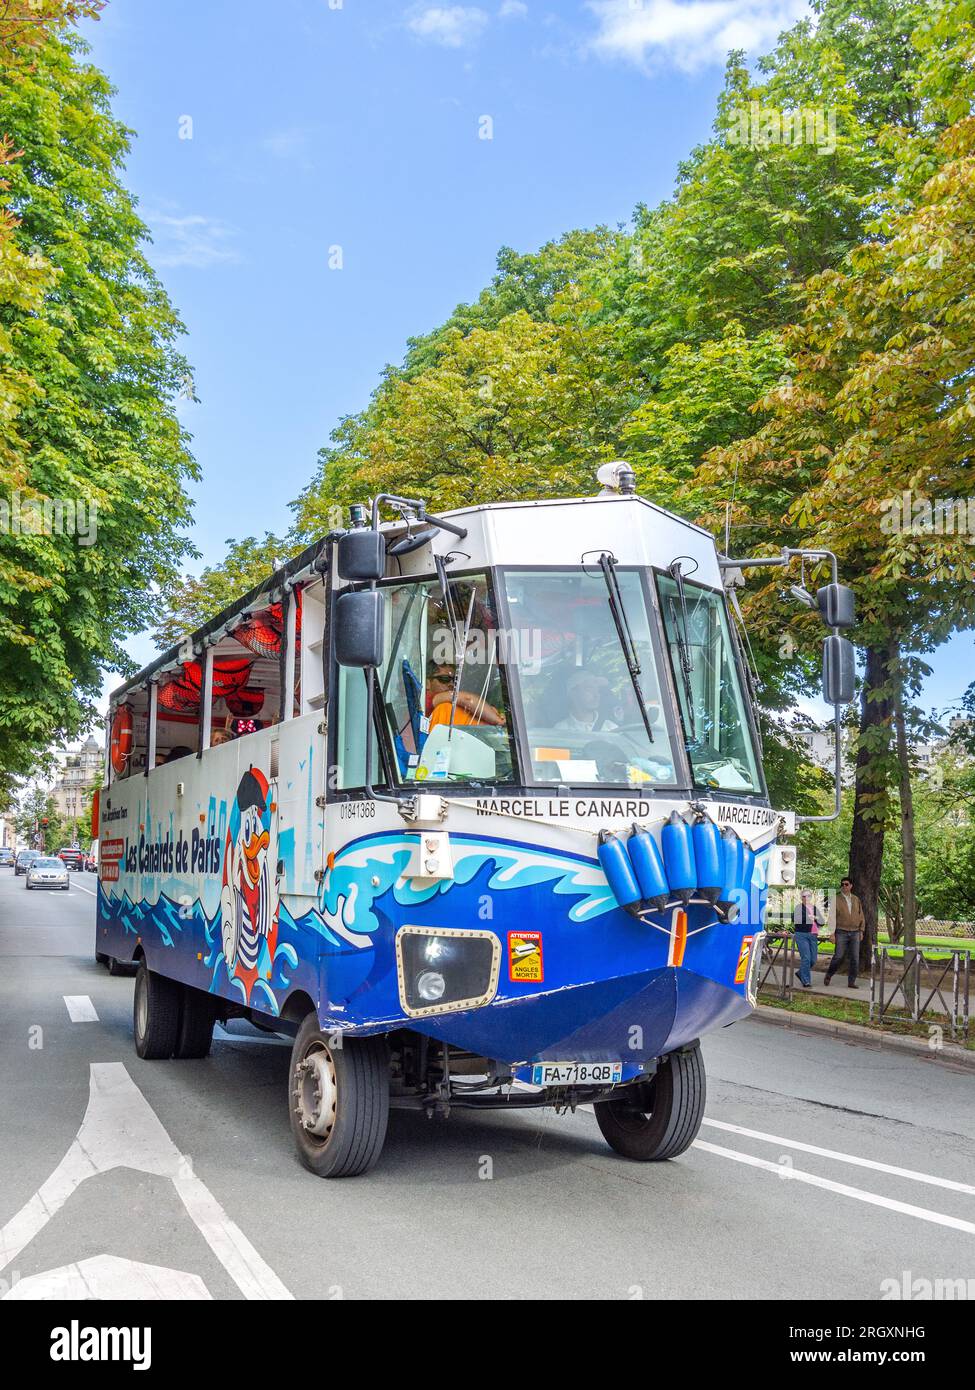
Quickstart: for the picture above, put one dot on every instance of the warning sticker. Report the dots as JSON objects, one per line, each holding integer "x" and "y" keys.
{"x": 743, "y": 954}
{"x": 525, "y": 957}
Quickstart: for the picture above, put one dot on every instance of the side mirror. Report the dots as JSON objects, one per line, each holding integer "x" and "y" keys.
{"x": 362, "y": 555}
{"x": 359, "y": 627}
{"x": 839, "y": 671}
{"x": 837, "y": 605}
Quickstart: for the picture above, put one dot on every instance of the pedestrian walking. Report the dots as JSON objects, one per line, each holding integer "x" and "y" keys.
{"x": 847, "y": 922}
{"x": 806, "y": 922}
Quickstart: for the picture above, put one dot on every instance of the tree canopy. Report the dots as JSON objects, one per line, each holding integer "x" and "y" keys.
{"x": 93, "y": 460}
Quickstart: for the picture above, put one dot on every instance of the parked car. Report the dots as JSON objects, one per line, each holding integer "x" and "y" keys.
{"x": 7, "y": 856}
{"x": 72, "y": 857}
{"x": 25, "y": 857}
{"x": 91, "y": 858}
{"x": 47, "y": 872}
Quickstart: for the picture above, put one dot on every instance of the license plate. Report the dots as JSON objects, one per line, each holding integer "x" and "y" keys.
{"x": 576, "y": 1073}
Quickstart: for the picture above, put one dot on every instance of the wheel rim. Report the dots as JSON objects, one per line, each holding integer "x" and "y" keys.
{"x": 141, "y": 1006}
{"x": 316, "y": 1092}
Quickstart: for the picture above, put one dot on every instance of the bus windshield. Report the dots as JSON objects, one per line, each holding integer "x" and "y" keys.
{"x": 442, "y": 687}
{"x": 712, "y": 706}
{"x": 582, "y": 717}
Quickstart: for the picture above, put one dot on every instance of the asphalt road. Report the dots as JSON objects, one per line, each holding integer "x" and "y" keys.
{"x": 180, "y": 1179}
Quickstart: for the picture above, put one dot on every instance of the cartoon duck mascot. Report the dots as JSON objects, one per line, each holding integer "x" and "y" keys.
{"x": 249, "y": 900}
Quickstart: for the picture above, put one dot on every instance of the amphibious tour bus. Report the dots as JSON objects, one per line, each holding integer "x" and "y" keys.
{"x": 471, "y": 806}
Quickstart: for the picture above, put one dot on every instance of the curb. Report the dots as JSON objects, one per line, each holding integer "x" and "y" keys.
{"x": 856, "y": 1032}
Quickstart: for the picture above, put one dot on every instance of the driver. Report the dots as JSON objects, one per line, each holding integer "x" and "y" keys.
{"x": 585, "y": 691}
{"x": 471, "y": 709}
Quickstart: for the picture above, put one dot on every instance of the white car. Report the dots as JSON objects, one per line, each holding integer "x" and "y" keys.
{"x": 47, "y": 873}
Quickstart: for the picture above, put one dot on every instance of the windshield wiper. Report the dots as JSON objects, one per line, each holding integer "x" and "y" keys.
{"x": 460, "y": 635}
{"x": 608, "y": 566}
{"x": 679, "y": 624}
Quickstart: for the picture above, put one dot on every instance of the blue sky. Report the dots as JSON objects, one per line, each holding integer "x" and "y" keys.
{"x": 354, "y": 124}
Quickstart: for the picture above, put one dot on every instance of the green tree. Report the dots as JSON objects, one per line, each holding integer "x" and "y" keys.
{"x": 89, "y": 372}
{"x": 880, "y": 406}
{"x": 36, "y": 806}
{"x": 526, "y": 409}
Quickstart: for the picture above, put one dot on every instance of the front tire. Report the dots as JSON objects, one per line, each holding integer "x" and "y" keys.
{"x": 338, "y": 1101}
{"x": 155, "y": 1014}
{"x": 662, "y": 1117}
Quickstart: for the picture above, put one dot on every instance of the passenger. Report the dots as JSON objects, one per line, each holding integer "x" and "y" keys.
{"x": 807, "y": 921}
{"x": 220, "y": 736}
{"x": 585, "y": 692}
{"x": 180, "y": 751}
{"x": 471, "y": 709}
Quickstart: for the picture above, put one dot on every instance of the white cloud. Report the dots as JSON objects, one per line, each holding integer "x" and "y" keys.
{"x": 689, "y": 33}
{"x": 191, "y": 240}
{"x": 293, "y": 145}
{"x": 451, "y": 26}
{"x": 512, "y": 9}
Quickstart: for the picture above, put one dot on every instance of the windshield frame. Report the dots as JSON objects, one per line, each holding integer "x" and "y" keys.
{"x": 675, "y": 732}
{"x": 717, "y": 793}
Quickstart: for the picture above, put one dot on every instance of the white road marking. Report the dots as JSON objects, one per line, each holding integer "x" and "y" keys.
{"x": 121, "y": 1130}
{"x": 110, "y": 1277}
{"x": 90, "y": 891}
{"x": 874, "y": 1199}
{"x": 80, "y": 1008}
{"x": 839, "y": 1157}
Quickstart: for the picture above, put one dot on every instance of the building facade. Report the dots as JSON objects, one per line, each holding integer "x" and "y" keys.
{"x": 80, "y": 772}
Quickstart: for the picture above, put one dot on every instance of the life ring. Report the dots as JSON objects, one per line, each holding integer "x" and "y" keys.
{"x": 121, "y": 739}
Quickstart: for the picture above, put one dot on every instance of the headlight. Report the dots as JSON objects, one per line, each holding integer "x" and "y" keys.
{"x": 431, "y": 985}
{"x": 441, "y": 970}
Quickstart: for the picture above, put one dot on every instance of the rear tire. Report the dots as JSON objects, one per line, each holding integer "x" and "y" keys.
{"x": 196, "y": 1020}
{"x": 664, "y": 1114}
{"x": 155, "y": 1014}
{"x": 338, "y": 1101}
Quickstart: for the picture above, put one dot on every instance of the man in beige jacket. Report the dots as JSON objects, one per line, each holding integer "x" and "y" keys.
{"x": 846, "y": 923}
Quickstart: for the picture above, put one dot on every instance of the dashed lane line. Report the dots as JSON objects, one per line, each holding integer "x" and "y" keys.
{"x": 80, "y": 1008}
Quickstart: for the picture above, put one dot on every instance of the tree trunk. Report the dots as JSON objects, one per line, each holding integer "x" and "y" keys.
{"x": 908, "y": 844}
{"x": 872, "y": 797}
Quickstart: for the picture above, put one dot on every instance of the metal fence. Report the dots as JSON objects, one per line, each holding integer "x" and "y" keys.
{"x": 907, "y": 985}
{"x": 777, "y": 972}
